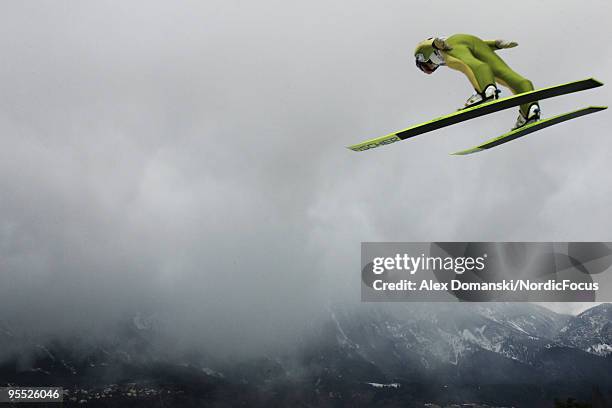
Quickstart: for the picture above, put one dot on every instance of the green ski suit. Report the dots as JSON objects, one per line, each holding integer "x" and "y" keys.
{"x": 477, "y": 59}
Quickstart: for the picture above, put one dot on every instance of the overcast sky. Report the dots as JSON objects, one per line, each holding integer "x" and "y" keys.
{"x": 188, "y": 156}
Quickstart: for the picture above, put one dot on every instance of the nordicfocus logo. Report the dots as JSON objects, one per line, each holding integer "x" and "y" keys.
{"x": 412, "y": 264}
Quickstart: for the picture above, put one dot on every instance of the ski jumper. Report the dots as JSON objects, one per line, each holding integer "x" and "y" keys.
{"x": 477, "y": 59}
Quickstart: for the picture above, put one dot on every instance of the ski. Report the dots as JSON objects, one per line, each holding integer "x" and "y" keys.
{"x": 532, "y": 127}
{"x": 477, "y": 111}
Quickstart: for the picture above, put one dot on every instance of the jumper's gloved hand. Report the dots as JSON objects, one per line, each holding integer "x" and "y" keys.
{"x": 505, "y": 44}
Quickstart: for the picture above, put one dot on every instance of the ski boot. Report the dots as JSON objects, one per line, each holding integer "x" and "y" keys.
{"x": 533, "y": 115}
{"x": 490, "y": 93}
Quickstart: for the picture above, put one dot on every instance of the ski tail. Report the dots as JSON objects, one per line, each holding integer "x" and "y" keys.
{"x": 533, "y": 127}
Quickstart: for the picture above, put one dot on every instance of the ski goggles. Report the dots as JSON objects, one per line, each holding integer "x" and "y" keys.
{"x": 426, "y": 66}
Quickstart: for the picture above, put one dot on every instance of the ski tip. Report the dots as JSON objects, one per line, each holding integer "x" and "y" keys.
{"x": 598, "y": 108}
{"x": 468, "y": 151}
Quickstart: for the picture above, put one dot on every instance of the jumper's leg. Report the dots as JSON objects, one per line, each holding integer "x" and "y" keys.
{"x": 504, "y": 74}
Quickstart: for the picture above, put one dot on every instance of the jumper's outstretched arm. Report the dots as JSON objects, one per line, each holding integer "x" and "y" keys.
{"x": 500, "y": 44}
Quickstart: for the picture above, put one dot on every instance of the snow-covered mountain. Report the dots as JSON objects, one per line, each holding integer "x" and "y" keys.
{"x": 508, "y": 351}
{"x": 590, "y": 331}
{"x": 444, "y": 333}
{"x": 454, "y": 352}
